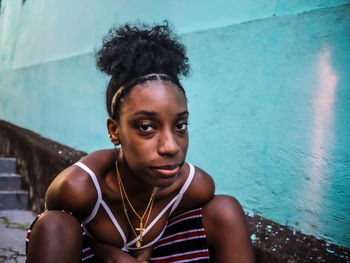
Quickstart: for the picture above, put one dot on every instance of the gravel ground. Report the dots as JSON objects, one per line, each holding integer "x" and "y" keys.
{"x": 13, "y": 228}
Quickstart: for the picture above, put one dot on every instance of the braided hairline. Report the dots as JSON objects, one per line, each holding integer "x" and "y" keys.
{"x": 139, "y": 81}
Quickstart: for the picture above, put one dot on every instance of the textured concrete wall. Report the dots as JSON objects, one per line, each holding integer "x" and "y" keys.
{"x": 273, "y": 108}
{"x": 269, "y": 94}
{"x": 58, "y": 29}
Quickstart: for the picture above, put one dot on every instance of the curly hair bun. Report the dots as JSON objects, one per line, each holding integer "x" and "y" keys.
{"x": 131, "y": 51}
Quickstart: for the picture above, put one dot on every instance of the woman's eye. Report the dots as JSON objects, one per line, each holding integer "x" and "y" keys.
{"x": 145, "y": 127}
{"x": 181, "y": 126}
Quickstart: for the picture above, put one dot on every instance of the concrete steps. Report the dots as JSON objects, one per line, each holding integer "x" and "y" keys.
{"x": 11, "y": 194}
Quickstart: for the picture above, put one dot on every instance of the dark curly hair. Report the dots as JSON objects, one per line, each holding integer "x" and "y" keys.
{"x": 131, "y": 52}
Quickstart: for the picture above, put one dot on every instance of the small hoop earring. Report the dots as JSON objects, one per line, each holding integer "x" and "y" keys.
{"x": 109, "y": 136}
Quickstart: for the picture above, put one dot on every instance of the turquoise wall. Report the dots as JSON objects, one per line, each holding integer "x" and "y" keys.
{"x": 269, "y": 93}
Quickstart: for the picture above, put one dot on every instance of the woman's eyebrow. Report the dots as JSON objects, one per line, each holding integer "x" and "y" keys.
{"x": 183, "y": 113}
{"x": 153, "y": 113}
{"x": 145, "y": 112}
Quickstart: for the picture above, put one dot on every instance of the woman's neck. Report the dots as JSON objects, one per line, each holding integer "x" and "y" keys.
{"x": 135, "y": 188}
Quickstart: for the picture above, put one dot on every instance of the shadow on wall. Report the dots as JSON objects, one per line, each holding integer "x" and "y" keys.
{"x": 39, "y": 160}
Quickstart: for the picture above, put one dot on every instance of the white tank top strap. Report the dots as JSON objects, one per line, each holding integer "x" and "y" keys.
{"x": 184, "y": 188}
{"x": 127, "y": 247}
{"x": 98, "y": 189}
{"x": 175, "y": 202}
{"x": 114, "y": 220}
{"x": 154, "y": 221}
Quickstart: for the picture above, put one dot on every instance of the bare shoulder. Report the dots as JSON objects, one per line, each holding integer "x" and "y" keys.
{"x": 73, "y": 189}
{"x": 200, "y": 191}
{"x": 100, "y": 161}
{"x": 202, "y": 185}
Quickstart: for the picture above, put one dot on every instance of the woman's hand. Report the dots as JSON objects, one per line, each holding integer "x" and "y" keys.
{"x": 111, "y": 254}
{"x": 142, "y": 259}
{"x": 143, "y": 255}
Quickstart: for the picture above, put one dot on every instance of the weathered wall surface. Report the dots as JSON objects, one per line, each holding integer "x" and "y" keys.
{"x": 271, "y": 106}
{"x": 269, "y": 94}
{"x": 59, "y": 29}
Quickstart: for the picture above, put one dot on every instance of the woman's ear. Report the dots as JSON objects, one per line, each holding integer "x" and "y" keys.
{"x": 113, "y": 128}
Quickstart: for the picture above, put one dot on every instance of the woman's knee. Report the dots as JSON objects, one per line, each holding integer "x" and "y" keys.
{"x": 223, "y": 209}
{"x": 223, "y": 213}
{"x": 226, "y": 229}
{"x": 57, "y": 233}
{"x": 58, "y": 224}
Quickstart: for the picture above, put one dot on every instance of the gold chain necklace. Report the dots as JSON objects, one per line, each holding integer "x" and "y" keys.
{"x": 149, "y": 207}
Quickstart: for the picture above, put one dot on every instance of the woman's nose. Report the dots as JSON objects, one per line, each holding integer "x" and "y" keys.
{"x": 168, "y": 144}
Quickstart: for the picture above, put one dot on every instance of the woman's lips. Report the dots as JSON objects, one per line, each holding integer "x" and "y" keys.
{"x": 167, "y": 171}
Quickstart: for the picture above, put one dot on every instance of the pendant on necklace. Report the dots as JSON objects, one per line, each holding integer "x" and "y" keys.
{"x": 140, "y": 229}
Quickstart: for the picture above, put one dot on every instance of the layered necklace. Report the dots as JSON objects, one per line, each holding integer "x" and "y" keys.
{"x": 147, "y": 211}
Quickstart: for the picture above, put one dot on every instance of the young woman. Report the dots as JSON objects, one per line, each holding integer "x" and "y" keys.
{"x": 141, "y": 201}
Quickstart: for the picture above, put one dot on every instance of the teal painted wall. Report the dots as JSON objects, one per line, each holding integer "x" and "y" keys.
{"x": 269, "y": 94}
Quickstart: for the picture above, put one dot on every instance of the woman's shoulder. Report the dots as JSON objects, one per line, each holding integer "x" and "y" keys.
{"x": 202, "y": 186}
{"x": 200, "y": 190}
{"x": 100, "y": 161}
{"x": 73, "y": 189}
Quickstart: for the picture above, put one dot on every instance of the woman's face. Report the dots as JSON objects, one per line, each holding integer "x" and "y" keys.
{"x": 153, "y": 131}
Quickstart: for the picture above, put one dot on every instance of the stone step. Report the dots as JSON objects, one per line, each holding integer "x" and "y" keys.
{"x": 13, "y": 199}
{"x": 11, "y": 195}
{"x": 7, "y": 165}
{"x": 10, "y": 181}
